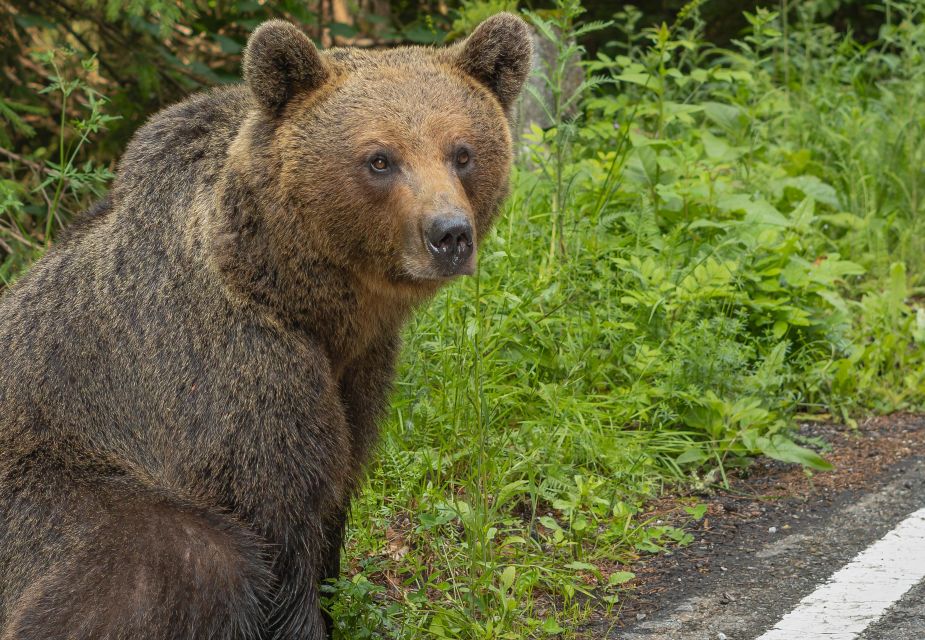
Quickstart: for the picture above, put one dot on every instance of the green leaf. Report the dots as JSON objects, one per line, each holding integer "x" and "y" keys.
{"x": 507, "y": 577}
{"x": 897, "y": 290}
{"x": 641, "y": 79}
{"x": 551, "y": 627}
{"x": 804, "y": 213}
{"x": 716, "y": 148}
{"x": 812, "y": 187}
{"x": 619, "y": 577}
{"x": 844, "y": 220}
{"x": 649, "y": 161}
{"x": 784, "y": 449}
{"x": 727, "y": 116}
{"x": 691, "y": 455}
{"x": 696, "y": 512}
{"x": 757, "y": 210}
{"x": 779, "y": 329}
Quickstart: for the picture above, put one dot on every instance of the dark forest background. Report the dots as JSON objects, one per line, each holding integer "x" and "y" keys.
{"x": 150, "y": 53}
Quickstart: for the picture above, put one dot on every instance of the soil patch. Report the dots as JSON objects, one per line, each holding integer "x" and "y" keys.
{"x": 765, "y": 502}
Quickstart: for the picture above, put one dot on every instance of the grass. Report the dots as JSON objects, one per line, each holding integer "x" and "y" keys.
{"x": 710, "y": 244}
{"x": 706, "y": 254}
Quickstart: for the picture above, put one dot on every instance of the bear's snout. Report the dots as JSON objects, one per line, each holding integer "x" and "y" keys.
{"x": 450, "y": 241}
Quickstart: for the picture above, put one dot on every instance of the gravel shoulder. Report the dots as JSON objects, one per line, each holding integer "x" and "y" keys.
{"x": 775, "y": 535}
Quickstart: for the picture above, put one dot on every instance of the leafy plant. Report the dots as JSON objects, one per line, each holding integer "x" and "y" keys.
{"x": 60, "y": 183}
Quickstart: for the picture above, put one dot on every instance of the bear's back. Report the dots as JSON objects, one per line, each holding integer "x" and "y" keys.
{"x": 181, "y": 148}
{"x": 125, "y": 303}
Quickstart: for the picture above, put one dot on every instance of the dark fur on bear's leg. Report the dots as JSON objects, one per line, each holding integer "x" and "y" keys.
{"x": 157, "y": 573}
{"x": 105, "y": 558}
{"x": 190, "y": 383}
{"x": 334, "y": 540}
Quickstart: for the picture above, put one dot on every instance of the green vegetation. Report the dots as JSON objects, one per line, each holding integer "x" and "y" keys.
{"x": 725, "y": 239}
{"x": 718, "y": 241}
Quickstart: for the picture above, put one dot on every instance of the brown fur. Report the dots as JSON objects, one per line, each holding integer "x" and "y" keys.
{"x": 190, "y": 383}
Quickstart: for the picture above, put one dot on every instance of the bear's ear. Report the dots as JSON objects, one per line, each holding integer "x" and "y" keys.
{"x": 279, "y": 62}
{"x": 499, "y": 54}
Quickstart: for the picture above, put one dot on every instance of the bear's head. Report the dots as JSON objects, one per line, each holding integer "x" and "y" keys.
{"x": 392, "y": 163}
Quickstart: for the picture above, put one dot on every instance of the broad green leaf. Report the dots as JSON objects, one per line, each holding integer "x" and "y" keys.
{"x": 507, "y": 577}
{"x": 786, "y": 450}
{"x": 619, "y": 577}
{"x": 813, "y": 187}
{"x": 729, "y": 117}
{"x": 551, "y": 627}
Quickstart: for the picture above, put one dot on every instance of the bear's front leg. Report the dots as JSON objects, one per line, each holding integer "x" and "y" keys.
{"x": 305, "y": 553}
{"x": 297, "y": 612}
{"x": 281, "y": 462}
{"x": 298, "y": 543}
{"x": 330, "y": 561}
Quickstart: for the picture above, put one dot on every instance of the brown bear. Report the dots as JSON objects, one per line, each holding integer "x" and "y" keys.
{"x": 190, "y": 381}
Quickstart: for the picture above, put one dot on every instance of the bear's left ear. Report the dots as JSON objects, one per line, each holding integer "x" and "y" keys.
{"x": 279, "y": 62}
{"x": 499, "y": 54}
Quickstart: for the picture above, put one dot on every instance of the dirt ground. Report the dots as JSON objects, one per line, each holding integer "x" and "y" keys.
{"x": 768, "y": 502}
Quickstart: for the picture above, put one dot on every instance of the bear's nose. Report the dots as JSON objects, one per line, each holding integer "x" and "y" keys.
{"x": 449, "y": 240}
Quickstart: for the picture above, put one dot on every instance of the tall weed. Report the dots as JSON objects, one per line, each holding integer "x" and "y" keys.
{"x": 59, "y": 182}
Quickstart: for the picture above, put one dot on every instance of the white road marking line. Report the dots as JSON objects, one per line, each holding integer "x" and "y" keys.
{"x": 861, "y": 591}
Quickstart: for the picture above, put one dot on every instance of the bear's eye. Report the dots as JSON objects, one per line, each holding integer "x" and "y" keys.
{"x": 379, "y": 164}
{"x": 462, "y": 157}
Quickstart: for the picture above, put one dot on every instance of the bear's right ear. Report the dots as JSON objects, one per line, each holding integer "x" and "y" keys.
{"x": 279, "y": 62}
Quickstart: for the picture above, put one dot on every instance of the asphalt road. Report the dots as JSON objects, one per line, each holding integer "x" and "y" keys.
{"x": 760, "y": 577}
{"x": 904, "y": 621}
